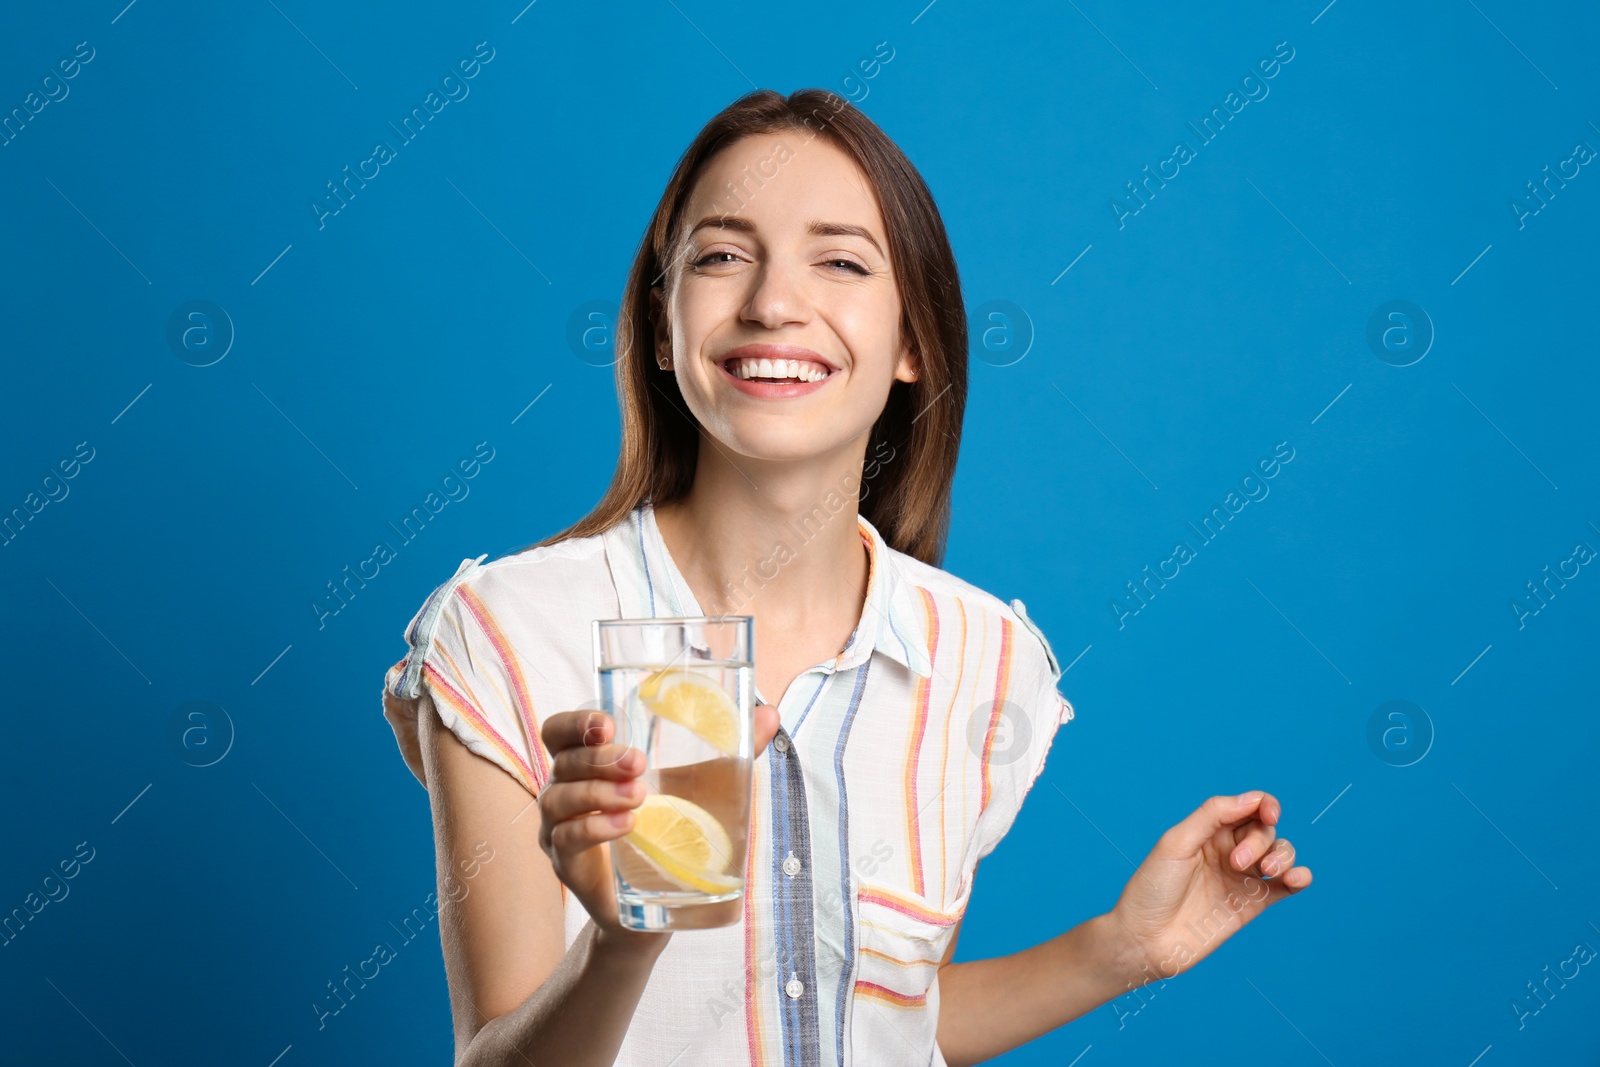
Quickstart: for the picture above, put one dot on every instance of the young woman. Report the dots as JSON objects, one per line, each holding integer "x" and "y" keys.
{"x": 791, "y": 364}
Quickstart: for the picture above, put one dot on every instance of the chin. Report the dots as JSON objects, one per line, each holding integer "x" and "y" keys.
{"x": 769, "y": 447}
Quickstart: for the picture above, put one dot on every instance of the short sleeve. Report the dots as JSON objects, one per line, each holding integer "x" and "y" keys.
{"x": 1054, "y": 699}
{"x": 1030, "y": 718}
{"x": 460, "y": 666}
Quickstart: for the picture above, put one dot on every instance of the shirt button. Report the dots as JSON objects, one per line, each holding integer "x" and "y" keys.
{"x": 791, "y": 865}
{"x": 781, "y": 743}
{"x": 794, "y": 988}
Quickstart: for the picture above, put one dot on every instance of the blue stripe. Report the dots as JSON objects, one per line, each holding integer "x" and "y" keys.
{"x": 780, "y": 897}
{"x": 793, "y": 897}
{"x": 848, "y": 972}
{"x": 420, "y": 635}
{"x": 793, "y": 901}
{"x": 822, "y": 683}
{"x": 895, "y": 630}
{"x": 785, "y": 918}
{"x": 644, "y": 558}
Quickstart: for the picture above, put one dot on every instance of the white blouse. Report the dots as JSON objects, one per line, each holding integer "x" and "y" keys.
{"x": 900, "y": 763}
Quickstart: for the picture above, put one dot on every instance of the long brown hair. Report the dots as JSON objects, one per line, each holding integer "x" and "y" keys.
{"x": 917, "y": 437}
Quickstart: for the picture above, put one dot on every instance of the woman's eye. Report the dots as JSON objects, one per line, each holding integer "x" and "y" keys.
{"x": 720, "y": 258}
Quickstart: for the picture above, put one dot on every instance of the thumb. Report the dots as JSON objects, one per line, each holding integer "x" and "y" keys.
{"x": 767, "y": 724}
{"x": 1219, "y": 811}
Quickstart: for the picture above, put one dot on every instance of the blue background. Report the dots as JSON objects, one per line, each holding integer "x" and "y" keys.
{"x": 1229, "y": 314}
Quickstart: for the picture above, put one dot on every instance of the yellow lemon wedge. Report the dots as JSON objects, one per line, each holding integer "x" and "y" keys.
{"x": 684, "y": 842}
{"x": 694, "y": 702}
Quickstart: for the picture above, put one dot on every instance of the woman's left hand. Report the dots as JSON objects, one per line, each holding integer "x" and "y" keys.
{"x": 1206, "y": 878}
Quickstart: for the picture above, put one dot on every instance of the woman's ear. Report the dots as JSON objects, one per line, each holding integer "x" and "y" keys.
{"x": 663, "y": 329}
{"x": 908, "y": 368}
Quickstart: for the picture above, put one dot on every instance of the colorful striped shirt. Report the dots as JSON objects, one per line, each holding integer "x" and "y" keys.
{"x": 900, "y": 763}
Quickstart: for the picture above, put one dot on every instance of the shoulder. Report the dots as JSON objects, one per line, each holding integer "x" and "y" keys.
{"x": 546, "y": 571}
{"x": 523, "y": 594}
{"x": 947, "y": 593}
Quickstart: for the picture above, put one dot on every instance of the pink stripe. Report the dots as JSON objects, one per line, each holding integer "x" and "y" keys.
{"x": 519, "y": 685}
{"x": 1001, "y": 686}
{"x": 944, "y": 757}
{"x": 878, "y": 992}
{"x": 464, "y": 706}
{"x": 918, "y": 962}
{"x": 752, "y": 1024}
{"x": 919, "y": 727}
{"x": 905, "y": 907}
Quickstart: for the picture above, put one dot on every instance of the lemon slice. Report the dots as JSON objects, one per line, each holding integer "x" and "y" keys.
{"x": 696, "y": 703}
{"x": 684, "y": 842}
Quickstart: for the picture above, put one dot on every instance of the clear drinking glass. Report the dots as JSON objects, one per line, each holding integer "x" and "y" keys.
{"x": 681, "y": 690}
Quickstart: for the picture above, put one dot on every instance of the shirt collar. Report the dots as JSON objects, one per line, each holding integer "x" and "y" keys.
{"x": 892, "y": 617}
{"x": 891, "y": 620}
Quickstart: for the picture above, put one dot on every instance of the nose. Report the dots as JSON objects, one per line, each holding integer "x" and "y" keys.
{"x": 776, "y": 297}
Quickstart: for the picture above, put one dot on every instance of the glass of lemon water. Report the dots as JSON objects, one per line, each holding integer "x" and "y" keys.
{"x": 681, "y": 691}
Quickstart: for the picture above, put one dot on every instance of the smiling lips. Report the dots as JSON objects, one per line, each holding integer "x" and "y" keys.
{"x": 775, "y": 371}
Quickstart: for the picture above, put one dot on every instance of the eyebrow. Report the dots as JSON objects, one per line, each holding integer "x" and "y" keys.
{"x": 815, "y": 228}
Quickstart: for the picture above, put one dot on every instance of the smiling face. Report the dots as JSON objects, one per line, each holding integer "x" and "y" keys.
{"x": 799, "y": 271}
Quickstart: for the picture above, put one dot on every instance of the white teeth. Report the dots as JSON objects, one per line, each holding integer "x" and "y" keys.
{"x": 778, "y": 368}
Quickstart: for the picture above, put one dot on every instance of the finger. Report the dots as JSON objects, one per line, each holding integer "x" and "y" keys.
{"x": 1271, "y": 809}
{"x": 1278, "y": 859}
{"x": 586, "y": 831}
{"x": 1254, "y": 843}
{"x": 1201, "y": 826}
{"x": 567, "y": 799}
{"x": 604, "y": 761}
{"x": 1293, "y": 881}
{"x": 563, "y": 802}
{"x": 767, "y": 724}
{"x": 571, "y": 729}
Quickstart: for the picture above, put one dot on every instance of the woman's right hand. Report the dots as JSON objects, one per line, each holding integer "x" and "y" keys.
{"x": 589, "y": 799}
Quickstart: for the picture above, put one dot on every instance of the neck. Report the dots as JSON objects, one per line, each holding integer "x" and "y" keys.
{"x": 777, "y": 540}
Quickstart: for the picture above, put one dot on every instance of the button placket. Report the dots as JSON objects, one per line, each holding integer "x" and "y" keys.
{"x": 793, "y": 894}
{"x": 784, "y": 740}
